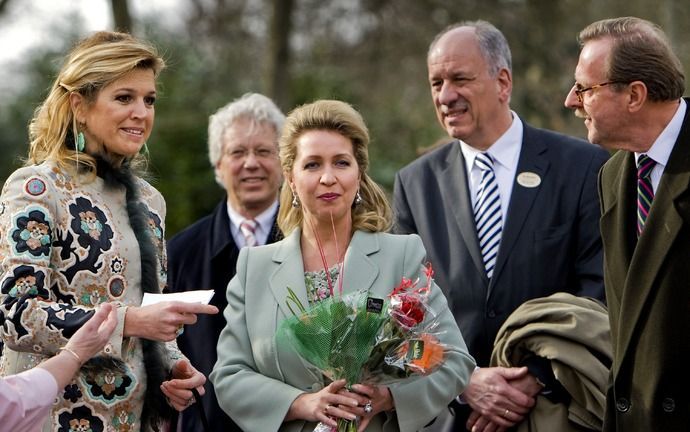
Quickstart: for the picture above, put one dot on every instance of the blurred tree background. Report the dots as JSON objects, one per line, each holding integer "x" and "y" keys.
{"x": 371, "y": 53}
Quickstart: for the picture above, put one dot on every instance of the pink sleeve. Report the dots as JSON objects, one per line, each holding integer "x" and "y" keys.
{"x": 26, "y": 399}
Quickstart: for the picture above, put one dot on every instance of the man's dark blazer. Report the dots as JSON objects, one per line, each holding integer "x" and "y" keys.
{"x": 204, "y": 256}
{"x": 550, "y": 240}
{"x": 648, "y": 292}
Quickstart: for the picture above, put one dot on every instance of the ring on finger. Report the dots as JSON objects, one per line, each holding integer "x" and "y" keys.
{"x": 368, "y": 408}
{"x": 506, "y": 413}
{"x": 325, "y": 410}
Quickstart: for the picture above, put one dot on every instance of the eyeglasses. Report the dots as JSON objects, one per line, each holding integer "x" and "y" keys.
{"x": 579, "y": 91}
{"x": 240, "y": 154}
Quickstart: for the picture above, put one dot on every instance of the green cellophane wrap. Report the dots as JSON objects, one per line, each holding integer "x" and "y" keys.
{"x": 336, "y": 335}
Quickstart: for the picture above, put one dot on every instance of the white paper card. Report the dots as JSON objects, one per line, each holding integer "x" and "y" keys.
{"x": 198, "y": 296}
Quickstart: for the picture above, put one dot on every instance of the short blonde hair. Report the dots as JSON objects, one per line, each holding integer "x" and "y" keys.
{"x": 373, "y": 213}
{"x": 91, "y": 65}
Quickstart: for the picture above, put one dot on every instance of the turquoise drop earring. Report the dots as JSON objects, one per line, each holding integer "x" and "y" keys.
{"x": 81, "y": 142}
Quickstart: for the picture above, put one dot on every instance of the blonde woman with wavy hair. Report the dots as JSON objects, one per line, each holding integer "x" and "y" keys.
{"x": 81, "y": 228}
{"x": 334, "y": 217}
{"x": 372, "y": 212}
{"x": 93, "y": 64}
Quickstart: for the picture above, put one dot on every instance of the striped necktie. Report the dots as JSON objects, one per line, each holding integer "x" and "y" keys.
{"x": 645, "y": 191}
{"x": 487, "y": 213}
{"x": 248, "y": 228}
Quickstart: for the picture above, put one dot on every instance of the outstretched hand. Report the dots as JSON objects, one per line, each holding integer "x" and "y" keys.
{"x": 90, "y": 339}
{"x": 163, "y": 321}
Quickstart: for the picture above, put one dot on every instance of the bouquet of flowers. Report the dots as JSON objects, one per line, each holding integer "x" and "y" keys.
{"x": 367, "y": 340}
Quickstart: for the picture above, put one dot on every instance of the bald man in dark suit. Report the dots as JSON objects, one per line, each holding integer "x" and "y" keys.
{"x": 542, "y": 238}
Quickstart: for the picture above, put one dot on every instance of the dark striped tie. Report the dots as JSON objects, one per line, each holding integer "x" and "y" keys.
{"x": 248, "y": 227}
{"x": 487, "y": 213}
{"x": 645, "y": 192}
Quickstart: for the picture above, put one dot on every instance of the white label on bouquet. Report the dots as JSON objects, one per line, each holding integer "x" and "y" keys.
{"x": 415, "y": 350}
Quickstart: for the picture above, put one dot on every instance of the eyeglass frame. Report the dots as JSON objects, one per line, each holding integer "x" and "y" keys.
{"x": 579, "y": 91}
{"x": 241, "y": 153}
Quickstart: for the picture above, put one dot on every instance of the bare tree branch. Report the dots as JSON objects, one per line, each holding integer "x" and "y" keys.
{"x": 3, "y": 5}
{"x": 121, "y": 15}
{"x": 277, "y": 77}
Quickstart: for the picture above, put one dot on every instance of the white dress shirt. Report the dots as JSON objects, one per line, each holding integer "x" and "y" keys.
{"x": 505, "y": 153}
{"x": 661, "y": 150}
{"x": 264, "y": 225}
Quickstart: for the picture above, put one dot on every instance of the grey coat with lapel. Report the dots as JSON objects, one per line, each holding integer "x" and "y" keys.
{"x": 256, "y": 379}
{"x": 550, "y": 239}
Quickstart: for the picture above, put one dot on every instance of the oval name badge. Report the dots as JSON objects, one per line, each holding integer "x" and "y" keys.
{"x": 528, "y": 179}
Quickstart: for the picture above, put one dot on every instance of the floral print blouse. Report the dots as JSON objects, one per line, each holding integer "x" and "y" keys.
{"x": 66, "y": 245}
{"x": 317, "y": 284}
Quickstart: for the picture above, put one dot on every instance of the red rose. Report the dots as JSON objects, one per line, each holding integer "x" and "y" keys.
{"x": 409, "y": 310}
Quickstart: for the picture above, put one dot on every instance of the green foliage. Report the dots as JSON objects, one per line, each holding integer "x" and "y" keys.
{"x": 29, "y": 80}
{"x": 33, "y": 78}
{"x": 370, "y": 53}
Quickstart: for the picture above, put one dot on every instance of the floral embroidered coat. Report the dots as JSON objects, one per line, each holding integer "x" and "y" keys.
{"x": 66, "y": 245}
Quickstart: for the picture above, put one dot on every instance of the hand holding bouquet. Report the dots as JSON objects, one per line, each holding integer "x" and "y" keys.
{"x": 368, "y": 340}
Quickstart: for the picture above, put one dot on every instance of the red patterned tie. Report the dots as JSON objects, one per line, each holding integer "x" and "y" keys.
{"x": 248, "y": 227}
{"x": 645, "y": 191}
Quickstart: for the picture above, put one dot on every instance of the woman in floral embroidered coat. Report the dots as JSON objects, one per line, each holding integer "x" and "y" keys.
{"x": 78, "y": 228}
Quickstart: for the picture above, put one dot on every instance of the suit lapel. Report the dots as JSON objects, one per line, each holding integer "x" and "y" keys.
{"x": 275, "y": 234}
{"x": 457, "y": 190}
{"x": 289, "y": 275}
{"x": 617, "y": 220}
{"x": 532, "y": 159}
{"x": 360, "y": 271}
{"x": 220, "y": 237}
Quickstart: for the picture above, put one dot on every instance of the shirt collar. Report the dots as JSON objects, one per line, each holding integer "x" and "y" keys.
{"x": 661, "y": 150}
{"x": 504, "y": 151}
{"x": 263, "y": 219}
